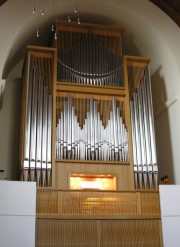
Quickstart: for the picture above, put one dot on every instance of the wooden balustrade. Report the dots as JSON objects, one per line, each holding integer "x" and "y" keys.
{"x": 98, "y": 233}
{"x": 117, "y": 203}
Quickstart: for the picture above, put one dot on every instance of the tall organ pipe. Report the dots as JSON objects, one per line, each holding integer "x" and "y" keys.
{"x": 96, "y": 64}
{"x": 39, "y": 131}
{"x": 143, "y": 137}
{"x": 84, "y": 134}
{"x": 27, "y": 121}
{"x": 33, "y": 126}
{"x": 38, "y": 124}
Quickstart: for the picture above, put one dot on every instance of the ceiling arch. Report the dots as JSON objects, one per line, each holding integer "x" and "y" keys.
{"x": 170, "y": 7}
{"x": 141, "y": 19}
{"x": 148, "y": 31}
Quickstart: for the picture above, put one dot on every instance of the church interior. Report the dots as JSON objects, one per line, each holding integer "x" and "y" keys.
{"x": 89, "y": 98}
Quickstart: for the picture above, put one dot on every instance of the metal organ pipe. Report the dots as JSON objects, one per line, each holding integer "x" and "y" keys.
{"x": 49, "y": 142}
{"x": 38, "y": 124}
{"x": 91, "y": 140}
{"x": 87, "y": 127}
{"x": 96, "y": 65}
{"x": 28, "y": 122}
{"x": 39, "y": 130}
{"x": 144, "y": 151}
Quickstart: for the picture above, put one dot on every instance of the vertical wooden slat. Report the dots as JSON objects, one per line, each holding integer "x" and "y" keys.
{"x": 138, "y": 197}
{"x": 97, "y": 203}
{"x": 66, "y": 233}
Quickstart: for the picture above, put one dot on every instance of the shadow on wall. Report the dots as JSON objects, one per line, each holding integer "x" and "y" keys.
{"x": 128, "y": 45}
{"x": 162, "y": 128}
{"x": 9, "y": 129}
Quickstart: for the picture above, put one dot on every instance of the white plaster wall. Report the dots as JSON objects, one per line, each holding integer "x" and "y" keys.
{"x": 174, "y": 123}
{"x": 170, "y": 214}
{"x": 17, "y": 214}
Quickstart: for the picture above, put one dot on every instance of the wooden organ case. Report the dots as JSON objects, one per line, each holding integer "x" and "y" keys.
{"x": 87, "y": 139}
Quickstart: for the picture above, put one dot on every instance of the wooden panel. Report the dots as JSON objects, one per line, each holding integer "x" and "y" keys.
{"x": 66, "y": 233}
{"x": 93, "y": 162}
{"x": 73, "y": 202}
{"x": 87, "y": 27}
{"x": 135, "y": 70}
{"x": 96, "y": 203}
{"x": 103, "y": 91}
{"x": 47, "y": 202}
{"x": 135, "y": 74}
{"x": 62, "y": 169}
{"x": 150, "y": 203}
{"x": 129, "y": 233}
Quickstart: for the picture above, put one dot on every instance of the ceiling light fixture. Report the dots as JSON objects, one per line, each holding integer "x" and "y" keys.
{"x": 39, "y": 9}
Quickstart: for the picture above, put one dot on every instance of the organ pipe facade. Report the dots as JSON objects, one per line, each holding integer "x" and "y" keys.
{"x": 84, "y": 103}
{"x": 94, "y": 132}
{"x": 36, "y": 124}
{"x": 142, "y": 124}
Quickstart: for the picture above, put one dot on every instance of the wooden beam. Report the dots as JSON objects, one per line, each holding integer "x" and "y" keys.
{"x": 86, "y": 27}
{"x": 2, "y": 2}
{"x": 170, "y": 7}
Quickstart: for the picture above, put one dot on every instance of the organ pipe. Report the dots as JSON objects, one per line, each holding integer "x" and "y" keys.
{"x": 87, "y": 60}
{"x": 36, "y": 165}
{"x": 90, "y": 139}
{"x": 88, "y": 126}
{"x": 144, "y": 150}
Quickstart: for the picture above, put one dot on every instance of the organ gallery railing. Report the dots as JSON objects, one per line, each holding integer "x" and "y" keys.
{"x": 96, "y": 233}
{"x": 120, "y": 203}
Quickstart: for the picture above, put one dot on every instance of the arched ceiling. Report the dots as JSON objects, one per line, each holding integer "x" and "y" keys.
{"x": 2, "y": 1}
{"x": 141, "y": 20}
{"x": 148, "y": 31}
{"x": 170, "y": 7}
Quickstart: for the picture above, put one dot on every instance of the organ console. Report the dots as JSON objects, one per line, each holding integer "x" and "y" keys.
{"x": 86, "y": 105}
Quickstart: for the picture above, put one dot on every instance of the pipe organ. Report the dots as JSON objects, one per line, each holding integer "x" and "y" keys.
{"x": 87, "y": 139}
{"x": 91, "y": 128}
{"x": 86, "y": 107}
{"x": 88, "y": 58}
{"x": 144, "y": 152}
{"x": 142, "y": 125}
{"x": 36, "y": 144}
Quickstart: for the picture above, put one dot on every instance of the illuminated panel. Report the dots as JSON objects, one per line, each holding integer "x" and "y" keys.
{"x": 92, "y": 182}
{"x": 91, "y": 185}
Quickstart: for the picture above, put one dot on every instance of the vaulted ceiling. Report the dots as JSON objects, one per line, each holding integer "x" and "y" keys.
{"x": 148, "y": 32}
{"x": 2, "y": 1}
{"x": 170, "y": 7}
